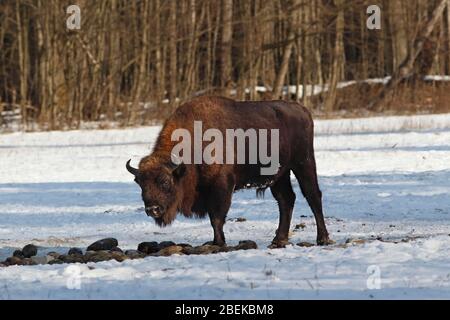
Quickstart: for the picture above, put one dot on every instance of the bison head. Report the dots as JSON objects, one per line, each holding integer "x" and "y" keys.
{"x": 160, "y": 183}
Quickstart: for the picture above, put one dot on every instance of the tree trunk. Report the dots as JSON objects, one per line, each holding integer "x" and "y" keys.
{"x": 406, "y": 68}
{"x": 226, "y": 44}
{"x": 338, "y": 63}
{"x": 281, "y": 76}
{"x": 173, "y": 74}
{"x": 23, "y": 67}
{"x": 290, "y": 42}
{"x": 448, "y": 40}
{"x": 141, "y": 78}
{"x": 399, "y": 35}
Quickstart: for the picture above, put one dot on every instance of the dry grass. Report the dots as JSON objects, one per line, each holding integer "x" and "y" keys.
{"x": 424, "y": 97}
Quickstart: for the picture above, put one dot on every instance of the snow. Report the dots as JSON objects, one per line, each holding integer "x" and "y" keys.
{"x": 321, "y": 88}
{"x": 380, "y": 177}
{"x": 383, "y": 124}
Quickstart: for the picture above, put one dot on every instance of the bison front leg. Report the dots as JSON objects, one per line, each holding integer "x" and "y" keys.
{"x": 285, "y": 196}
{"x": 219, "y": 202}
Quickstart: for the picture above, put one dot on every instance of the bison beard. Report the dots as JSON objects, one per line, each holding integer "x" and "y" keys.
{"x": 197, "y": 190}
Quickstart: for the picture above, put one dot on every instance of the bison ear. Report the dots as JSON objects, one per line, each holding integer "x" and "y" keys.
{"x": 179, "y": 171}
{"x": 177, "y": 166}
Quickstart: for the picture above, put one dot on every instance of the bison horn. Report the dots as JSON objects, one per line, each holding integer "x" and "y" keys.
{"x": 132, "y": 170}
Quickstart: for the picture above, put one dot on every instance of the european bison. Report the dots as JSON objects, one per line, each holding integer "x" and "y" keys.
{"x": 201, "y": 189}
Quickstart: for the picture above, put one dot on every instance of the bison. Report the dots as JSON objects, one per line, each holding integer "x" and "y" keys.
{"x": 198, "y": 189}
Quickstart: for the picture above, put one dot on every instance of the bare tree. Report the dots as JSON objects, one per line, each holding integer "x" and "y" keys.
{"x": 227, "y": 36}
{"x": 338, "y": 58}
{"x": 405, "y": 69}
{"x": 173, "y": 74}
{"x": 133, "y": 61}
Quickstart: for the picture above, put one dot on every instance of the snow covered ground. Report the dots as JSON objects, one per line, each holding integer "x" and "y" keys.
{"x": 387, "y": 178}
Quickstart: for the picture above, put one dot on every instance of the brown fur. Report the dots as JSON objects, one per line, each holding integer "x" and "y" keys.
{"x": 198, "y": 190}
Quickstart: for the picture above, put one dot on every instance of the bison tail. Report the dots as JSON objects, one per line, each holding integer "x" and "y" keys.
{"x": 260, "y": 192}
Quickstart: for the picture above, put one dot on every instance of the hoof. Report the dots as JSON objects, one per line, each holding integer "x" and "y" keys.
{"x": 325, "y": 242}
{"x": 213, "y": 243}
{"x": 279, "y": 244}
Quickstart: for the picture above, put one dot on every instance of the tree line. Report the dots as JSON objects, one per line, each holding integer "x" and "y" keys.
{"x": 133, "y": 61}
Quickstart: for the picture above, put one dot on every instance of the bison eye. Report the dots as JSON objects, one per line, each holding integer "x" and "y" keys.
{"x": 165, "y": 186}
{"x": 164, "y": 183}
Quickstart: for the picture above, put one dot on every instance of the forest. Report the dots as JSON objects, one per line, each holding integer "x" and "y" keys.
{"x": 132, "y": 62}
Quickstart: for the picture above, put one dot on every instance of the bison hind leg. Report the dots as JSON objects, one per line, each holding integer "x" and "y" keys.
{"x": 285, "y": 196}
{"x": 306, "y": 174}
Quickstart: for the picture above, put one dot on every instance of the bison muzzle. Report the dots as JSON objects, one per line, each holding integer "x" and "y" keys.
{"x": 200, "y": 189}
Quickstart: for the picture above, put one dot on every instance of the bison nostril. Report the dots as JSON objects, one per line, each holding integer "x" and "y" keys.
{"x": 154, "y": 211}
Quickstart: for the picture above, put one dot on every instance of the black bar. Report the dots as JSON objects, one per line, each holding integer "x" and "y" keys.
{"x": 227, "y": 309}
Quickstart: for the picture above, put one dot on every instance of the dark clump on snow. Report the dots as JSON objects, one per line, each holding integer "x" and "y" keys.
{"x": 300, "y": 226}
{"x": 29, "y": 250}
{"x": 75, "y": 251}
{"x": 204, "y": 249}
{"x": 18, "y": 254}
{"x": 305, "y": 244}
{"x": 72, "y": 258}
{"x": 246, "y": 245}
{"x": 134, "y": 254}
{"x": 168, "y": 251}
{"x": 184, "y": 245}
{"x": 148, "y": 247}
{"x": 24, "y": 257}
{"x": 14, "y": 260}
{"x": 103, "y": 244}
{"x": 166, "y": 244}
{"x": 239, "y": 219}
{"x": 107, "y": 249}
